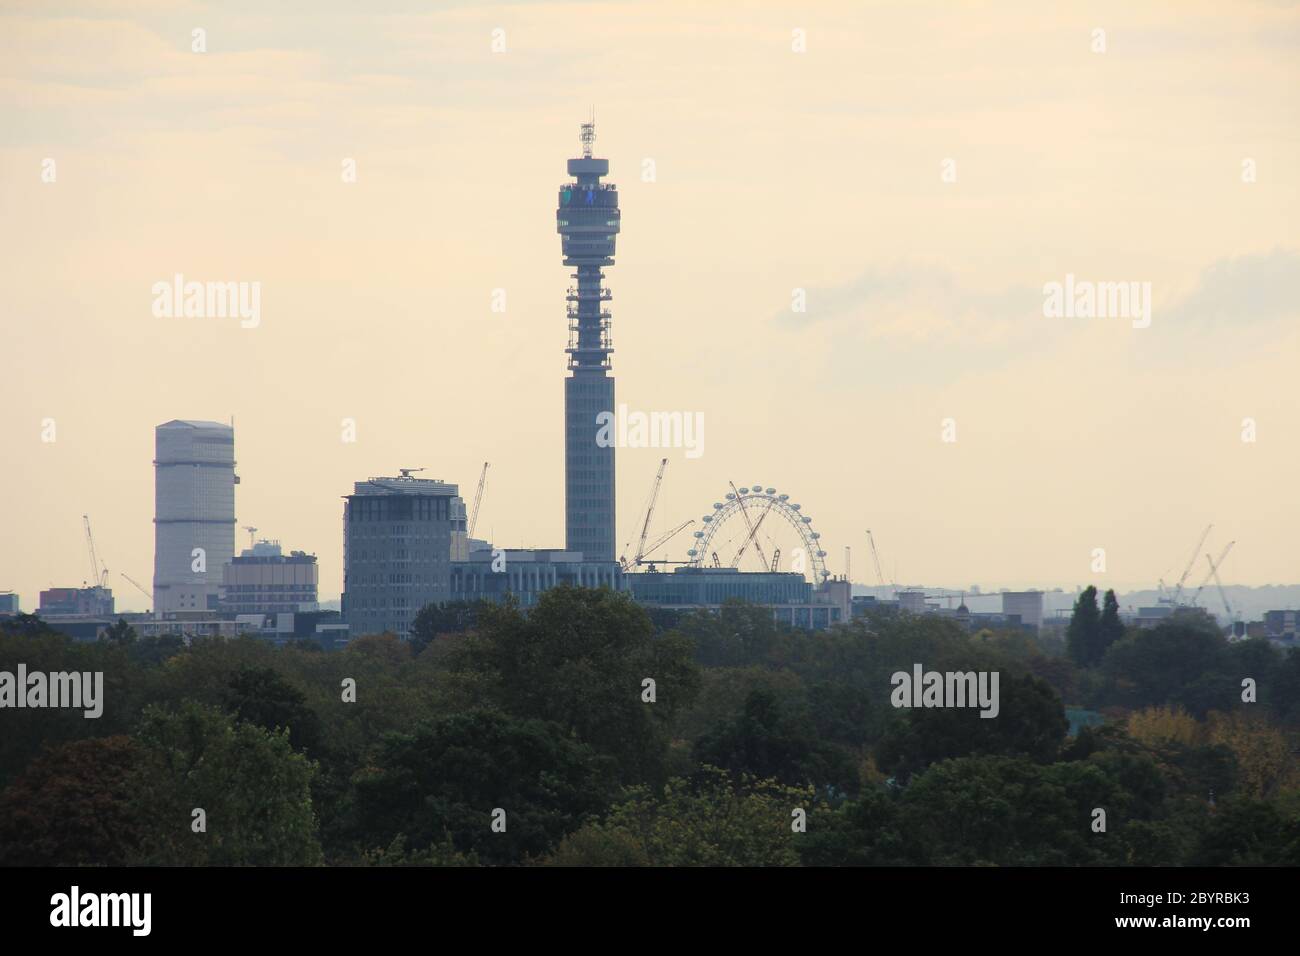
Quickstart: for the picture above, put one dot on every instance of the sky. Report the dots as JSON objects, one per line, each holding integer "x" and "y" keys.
{"x": 913, "y": 173}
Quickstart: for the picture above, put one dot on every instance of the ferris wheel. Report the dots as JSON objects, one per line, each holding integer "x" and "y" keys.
{"x": 743, "y": 522}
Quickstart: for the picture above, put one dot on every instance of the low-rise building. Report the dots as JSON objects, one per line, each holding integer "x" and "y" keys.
{"x": 491, "y": 574}
{"x": 263, "y": 580}
{"x": 92, "y": 601}
{"x": 791, "y": 597}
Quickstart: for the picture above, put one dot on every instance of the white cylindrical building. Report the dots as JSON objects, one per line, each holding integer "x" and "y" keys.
{"x": 194, "y": 513}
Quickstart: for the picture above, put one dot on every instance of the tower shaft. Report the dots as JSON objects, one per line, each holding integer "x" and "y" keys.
{"x": 587, "y": 219}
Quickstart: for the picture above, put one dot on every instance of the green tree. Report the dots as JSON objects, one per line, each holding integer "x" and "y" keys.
{"x": 1176, "y": 662}
{"x": 1007, "y": 812}
{"x": 1110, "y": 629}
{"x": 863, "y": 832}
{"x": 443, "y": 782}
{"x": 1251, "y": 833}
{"x": 1031, "y": 723}
{"x": 445, "y": 617}
{"x": 120, "y": 633}
{"x": 768, "y": 740}
{"x": 704, "y": 821}
{"x": 262, "y": 697}
{"x": 580, "y": 658}
{"x": 255, "y": 791}
{"x": 1083, "y": 636}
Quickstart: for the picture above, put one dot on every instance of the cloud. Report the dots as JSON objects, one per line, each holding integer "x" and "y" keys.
{"x": 1243, "y": 290}
{"x": 921, "y": 305}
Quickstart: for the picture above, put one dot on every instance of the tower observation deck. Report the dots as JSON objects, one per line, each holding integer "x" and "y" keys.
{"x": 587, "y": 219}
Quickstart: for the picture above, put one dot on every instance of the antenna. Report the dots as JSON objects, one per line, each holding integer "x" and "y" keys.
{"x": 588, "y": 135}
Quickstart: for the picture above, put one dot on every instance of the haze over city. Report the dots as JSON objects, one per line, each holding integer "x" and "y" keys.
{"x": 773, "y": 171}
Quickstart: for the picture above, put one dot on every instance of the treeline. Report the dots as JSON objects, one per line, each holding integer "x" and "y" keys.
{"x": 592, "y": 732}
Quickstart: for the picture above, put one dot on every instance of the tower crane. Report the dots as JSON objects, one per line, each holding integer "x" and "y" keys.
{"x": 1208, "y": 574}
{"x": 1223, "y": 595}
{"x": 478, "y": 500}
{"x": 1178, "y": 588}
{"x": 660, "y": 542}
{"x": 753, "y": 528}
{"x": 645, "y": 524}
{"x": 98, "y": 577}
{"x": 875, "y": 557}
{"x": 138, "y": 586}
{"x": 251, "y": 532}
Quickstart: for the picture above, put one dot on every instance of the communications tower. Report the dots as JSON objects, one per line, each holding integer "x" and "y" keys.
{"x": 587, "y": 219}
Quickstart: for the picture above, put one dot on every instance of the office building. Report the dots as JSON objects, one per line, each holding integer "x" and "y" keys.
{"x": 399, "y": 538}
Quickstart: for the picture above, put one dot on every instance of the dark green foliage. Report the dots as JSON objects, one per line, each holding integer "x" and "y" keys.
{"x": 1177, "y": 662}
{"x": 546, "y": 715}
{"x": 120, "y": 633}
{"x": 1031, "y": 723}
{"x": 444, "y": 782}
{"x": 769, "y": 740}
{"x": 1083, "y": 637}
{"x": 447, "y": 617}
{"x": 1110, "y": 629}
{"x": 579, "y": 659}
{"x": 261, "y": 696}
{"x": 1251, "y": 833}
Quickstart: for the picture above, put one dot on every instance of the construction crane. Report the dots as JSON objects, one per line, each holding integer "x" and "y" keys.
{"x": 645, "y": 524}
{"x": 753, "y": 528}
{"x": 753, "y": 536}
{"x": 98, "y": 577}
{"x": 478, "y": 500}
{"x": 407, "y": 472}
{"x": 1208, "y": 574}
{"x": 138, "y": 586}
{"x": 875, "y": 557}
{"x": 660, "y": 542}
{"x": 1178, "y": 588}
{"x": 1223, "y": 595}
{"x": 251, "y": 532}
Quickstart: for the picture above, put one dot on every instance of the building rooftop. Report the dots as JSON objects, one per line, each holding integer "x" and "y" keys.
{"x": 193, "y": 423}
{"x": 405, "y": 486}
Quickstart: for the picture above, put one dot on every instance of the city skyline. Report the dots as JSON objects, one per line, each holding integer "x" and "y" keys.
{"x": 923, "y": 294}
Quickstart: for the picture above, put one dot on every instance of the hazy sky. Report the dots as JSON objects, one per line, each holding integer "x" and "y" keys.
{"x": 775, "y": 170}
